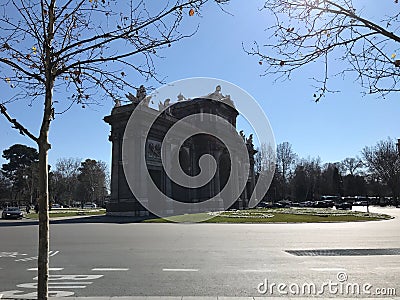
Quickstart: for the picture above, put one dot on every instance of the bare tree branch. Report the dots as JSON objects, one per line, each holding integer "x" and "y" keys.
{"x": 307, "y": 31}
{"x": 22, "y": 130}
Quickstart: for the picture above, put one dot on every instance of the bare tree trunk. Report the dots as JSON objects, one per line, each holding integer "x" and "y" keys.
{"x": 44, "y": 146}
{"x": 43, "y": 257}
{"x": 284, "y": 181}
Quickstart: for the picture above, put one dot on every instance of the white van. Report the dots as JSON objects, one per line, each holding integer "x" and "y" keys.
{"x": 90, "y": 205}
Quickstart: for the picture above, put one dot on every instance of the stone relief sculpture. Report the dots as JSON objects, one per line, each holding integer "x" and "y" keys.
{"x": 146, "y": 100}
{"x": 218, "y": 96}
{"x": 227, "y": 99}
{"x": 153, "y": 149}
{"x": 117, "y": 103}
{"x": 242, "y": 135}
{"x": 131, "y": 98}
{"x": 250, "y": 148}
{"x": 141, "y": 93}
{"x": 249, "y": 141}
{"x": 140, "y": 96}
{"x": 181, "y": 97}
{"x": 162, "y": 106}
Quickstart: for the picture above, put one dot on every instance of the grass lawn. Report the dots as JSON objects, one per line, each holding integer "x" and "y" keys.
{"x": 279, "y": 215}
{"x": 70, "y": 213}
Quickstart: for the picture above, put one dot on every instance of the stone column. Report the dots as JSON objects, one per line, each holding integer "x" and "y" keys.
{"x": 169, "y": 209}
{"x": 115, "y": 140}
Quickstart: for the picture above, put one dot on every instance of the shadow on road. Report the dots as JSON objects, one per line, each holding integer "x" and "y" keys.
{"x": 78, "y": 220}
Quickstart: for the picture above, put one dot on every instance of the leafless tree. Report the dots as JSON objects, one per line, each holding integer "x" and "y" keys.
{"x": 306, "y": 179}
{"x": 265, "y": 164}
{"x": 327, "y": 31}
{"x": 265, "y": 159}
{"x": 85, "y": 48}
{"x": 64, "y": 179}
{"x": 92, "y": 180}
{"x": 285, "y": 159}
{"x": 383, "y": 161}
{"x": 351, "y": 165}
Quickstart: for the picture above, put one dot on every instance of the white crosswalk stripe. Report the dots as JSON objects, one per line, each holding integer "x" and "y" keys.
{"x": 27, "y": 259}
{"x": 51, "y": 253}
{"x": 109, "y": 269}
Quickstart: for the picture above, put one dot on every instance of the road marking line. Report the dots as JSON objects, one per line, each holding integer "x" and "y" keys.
{"x": 54, "y": 253}
{"x": 180, "y": 270}
{"x": 110, "y": 269}
{"x": 70, "y": 282}
{"x": 50, "y": 269}
{"x": 68, "y": 287}
{"x": 51, "y": 253}
{"x": 27, "y": 259}
{"x": 327, "y": 269}
{"x": 10, "y": 254}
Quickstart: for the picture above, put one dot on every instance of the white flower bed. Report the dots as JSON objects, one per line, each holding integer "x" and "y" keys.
{"x": 241, "y": 214}
{"x": 322, "y": 212}
{"x": 269, "y": 213}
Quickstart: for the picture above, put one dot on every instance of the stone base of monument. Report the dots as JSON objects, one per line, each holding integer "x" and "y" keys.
{"x": 128, "y": 213}
{"x": 126, "y": 209}
{"x": 133, "y": 208}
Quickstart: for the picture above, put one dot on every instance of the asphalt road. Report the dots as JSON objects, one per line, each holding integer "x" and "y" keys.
{"x": 101, "y": 257}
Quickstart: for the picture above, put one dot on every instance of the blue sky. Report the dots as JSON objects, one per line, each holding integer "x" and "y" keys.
{"x": 337, "y": 127}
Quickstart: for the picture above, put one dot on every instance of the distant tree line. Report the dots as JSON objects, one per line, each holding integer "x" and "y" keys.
{"x": 375, "y": 174}
{"x": 72, "y": 181}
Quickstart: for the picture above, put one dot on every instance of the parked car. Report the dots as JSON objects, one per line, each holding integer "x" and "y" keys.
{"x": 90, "y": 205}
{"x": 263, "y": 204}
{"x": 350, "y": 200}
{"x": 12, "y": 213}
{"x": 284, "y": 203}
{"x": 344, "y": 205}
{"x": 320, "y": 204}
{"x": 329, "y": 203}
{"x": 56, "y": 205}
{"x": 306, "y": 204}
